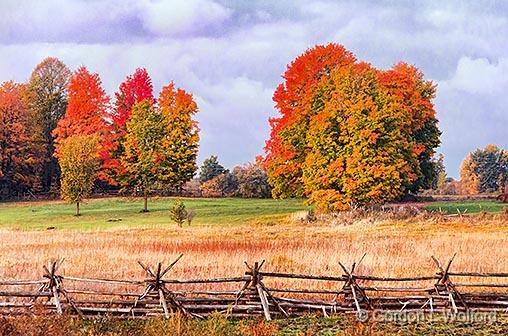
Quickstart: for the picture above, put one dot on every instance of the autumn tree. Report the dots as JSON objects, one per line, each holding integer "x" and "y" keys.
{"x": 357, "y": 151}
{"x": 20, "y": 152}
{"x": 144, "y": 155}
{"x": 181, "y": 141}
{"x": 86, "y": 109}
{"x": 136, "y": 88}
{"x": 161, "y": 143}
{"x": 468, "y": 177}
{"x": 413, "y": 94}
{"x": 294, "y": 98}
{"x": 47, "y": 98}
{"x": 210, "y": 168}
{"x": 350, "y": 133}
{"x": 79, "y": 163}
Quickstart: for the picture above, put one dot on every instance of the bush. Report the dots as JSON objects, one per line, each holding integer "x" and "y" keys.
{"x": 179, "y": 213}
{"x": 252, "y": 181}
{"x": 223, "y": 185}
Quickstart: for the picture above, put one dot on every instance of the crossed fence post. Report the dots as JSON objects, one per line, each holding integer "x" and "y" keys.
{"x": 444, "y": 283}
{"x": 54, "y": 285}
{"x": 155, "y": 284}
{"x": 357, "y": 292}
{"x": 256, "y": 284}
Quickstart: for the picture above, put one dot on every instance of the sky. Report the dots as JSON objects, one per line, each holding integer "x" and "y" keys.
{"x": 231, "y": 54}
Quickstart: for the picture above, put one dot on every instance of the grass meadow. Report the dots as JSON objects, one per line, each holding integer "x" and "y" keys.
{"x": 467, "y": 206}
{"x": 107, "y": 213}
{"x": 227, "y": 232}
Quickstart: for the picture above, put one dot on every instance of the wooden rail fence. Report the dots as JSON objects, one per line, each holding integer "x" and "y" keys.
{"x": 257, "y": 292}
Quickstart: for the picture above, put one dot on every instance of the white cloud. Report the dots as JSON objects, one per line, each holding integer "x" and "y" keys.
{"x": 182, "y": 17}
{"x": 479, "y": 76}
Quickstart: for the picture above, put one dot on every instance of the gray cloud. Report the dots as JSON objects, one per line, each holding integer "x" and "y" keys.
{"x": 231, "y": 55}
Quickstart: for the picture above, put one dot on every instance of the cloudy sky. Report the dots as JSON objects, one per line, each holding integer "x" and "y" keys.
{"x": 231, "y": 54}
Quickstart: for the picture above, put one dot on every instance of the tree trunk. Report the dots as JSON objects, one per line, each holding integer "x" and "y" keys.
{"x": 145, "y": 196}
{"x": 77, "y": 209}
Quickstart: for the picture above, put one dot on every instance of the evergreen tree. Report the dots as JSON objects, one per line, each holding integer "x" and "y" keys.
{"x": 210, "y": 169}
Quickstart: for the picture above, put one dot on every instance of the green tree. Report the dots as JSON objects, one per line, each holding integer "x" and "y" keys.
{"x": 179, "y": 213}
{"x": 439, "y": 177}
{"x": 210, "y": 169}
{"x": 503, "y": 176}
{"x": 489, "y": 168}
{"x": 144, "y": 154}
{"x": 47, "y": 98}
{"x": 79, "y": 163}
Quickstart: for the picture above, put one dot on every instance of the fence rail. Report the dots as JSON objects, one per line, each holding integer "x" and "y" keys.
{"x": 157, "y": 295}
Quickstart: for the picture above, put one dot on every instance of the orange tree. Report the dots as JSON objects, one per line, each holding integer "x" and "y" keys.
{"x": 21, "y": 154}
{"x": 350, "y": 133}
{"x": 294, "y": 99}
{"x": 86, "y": 109}
{"x": 180, "y": 144}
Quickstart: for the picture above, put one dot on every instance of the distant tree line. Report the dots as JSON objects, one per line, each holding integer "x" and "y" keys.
{"x": 485, "y": 170}
{"x": 249, "y": 180}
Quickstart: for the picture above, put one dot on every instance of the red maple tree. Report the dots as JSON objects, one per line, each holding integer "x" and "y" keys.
{"x": 86, "y": 110}
{"x": 136, "y": 88}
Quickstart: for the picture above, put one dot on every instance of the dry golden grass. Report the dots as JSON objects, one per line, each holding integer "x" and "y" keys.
{"x": 392, "y": 247}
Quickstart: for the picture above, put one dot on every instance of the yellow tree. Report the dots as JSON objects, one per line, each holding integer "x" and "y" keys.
{"x": 182, "y": 136}
{"x": 79, "y": 163}
{"x": 468, "y": 178}
{"x": 358, "y": 153}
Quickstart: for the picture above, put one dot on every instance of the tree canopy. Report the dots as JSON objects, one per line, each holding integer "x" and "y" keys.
{"x": 79, "y": 163}
{"x": 350, "y": 133}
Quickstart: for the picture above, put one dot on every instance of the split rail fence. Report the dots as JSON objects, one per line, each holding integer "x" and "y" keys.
{"x": 257, "y": 292}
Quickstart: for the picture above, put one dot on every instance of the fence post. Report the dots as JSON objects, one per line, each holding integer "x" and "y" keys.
{"x": 444, "y": 281}
{"x": 54, "y": 283}
{"x": 155, "y": 284}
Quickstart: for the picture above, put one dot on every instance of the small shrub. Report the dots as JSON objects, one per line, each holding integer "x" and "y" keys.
{"x": 311, "y": 216}
{"x": 179, "y": 213}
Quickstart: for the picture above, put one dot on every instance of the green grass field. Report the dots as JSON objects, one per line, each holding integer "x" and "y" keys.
{"x": 466, "y": 206}
{"x": 107, "y": 213}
